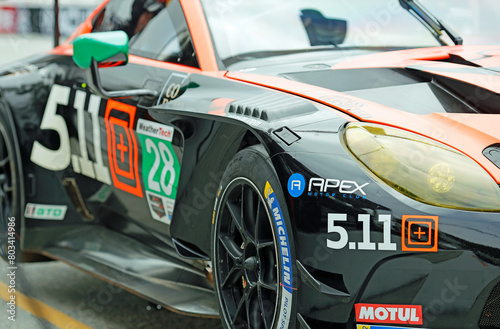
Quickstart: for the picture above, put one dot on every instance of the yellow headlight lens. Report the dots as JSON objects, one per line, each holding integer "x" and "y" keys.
{"x": 423, "y": 169}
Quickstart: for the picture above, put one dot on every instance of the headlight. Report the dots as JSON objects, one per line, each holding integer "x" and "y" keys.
{"x": 423, "y": 169}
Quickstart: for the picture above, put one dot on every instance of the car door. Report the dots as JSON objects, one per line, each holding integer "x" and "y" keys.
{"x": 138, "y": 169}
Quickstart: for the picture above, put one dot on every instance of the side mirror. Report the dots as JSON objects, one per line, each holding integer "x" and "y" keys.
{"x": 104, "y": 49}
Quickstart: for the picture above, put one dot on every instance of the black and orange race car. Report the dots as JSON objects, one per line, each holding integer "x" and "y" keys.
{"x": 282, "y": 164}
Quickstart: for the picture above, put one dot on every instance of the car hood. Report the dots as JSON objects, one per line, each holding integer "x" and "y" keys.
{"x": 449, "y": 94}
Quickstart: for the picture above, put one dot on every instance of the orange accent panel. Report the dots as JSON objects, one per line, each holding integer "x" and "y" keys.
{"x": 200, "y": 33}
{"x": 409, "y": 244}
{"x": 125, "y": 175}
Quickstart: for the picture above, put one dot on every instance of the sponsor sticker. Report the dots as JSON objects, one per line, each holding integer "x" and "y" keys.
{"x": 160, "y": 168}
{"x": 172, "y": 88}
{"x": 296, "y": 185}
{"x": 321, "y": 187}
{"x": 389, "y": 314}
{"x": 45, "y": 211}
{"x": 285, "y": 311}
{"x": 122, "y": 147}
{"x": 161, "y": 208}
{"x": 420, "y": 233}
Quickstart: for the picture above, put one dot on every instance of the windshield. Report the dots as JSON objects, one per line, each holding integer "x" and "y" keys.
{"x": 260, "y": 28}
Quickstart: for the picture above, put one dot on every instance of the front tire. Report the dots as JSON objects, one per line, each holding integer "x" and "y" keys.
{"x": 252, "y": 246}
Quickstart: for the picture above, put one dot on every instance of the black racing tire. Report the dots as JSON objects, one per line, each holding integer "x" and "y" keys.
{"x": 11, "y": 183}
{"x": 253, "y": 254}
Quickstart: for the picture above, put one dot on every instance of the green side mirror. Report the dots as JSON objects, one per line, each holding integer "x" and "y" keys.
{"x": 104, "y": 47}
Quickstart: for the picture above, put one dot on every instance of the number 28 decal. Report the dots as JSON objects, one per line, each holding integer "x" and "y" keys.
{"x": 161, "y": 166}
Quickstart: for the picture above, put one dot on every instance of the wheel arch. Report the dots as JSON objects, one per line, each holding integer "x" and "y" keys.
{"x": 192, "y": 233}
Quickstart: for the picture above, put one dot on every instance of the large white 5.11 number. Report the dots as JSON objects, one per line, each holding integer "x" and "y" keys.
{"x": 44, "y": 157}
{"x": 60, "y": 159}
{"x": 366, "y": 244}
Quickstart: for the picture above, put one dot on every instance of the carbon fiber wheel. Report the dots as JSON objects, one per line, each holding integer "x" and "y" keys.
{"x": 248, "y": 258}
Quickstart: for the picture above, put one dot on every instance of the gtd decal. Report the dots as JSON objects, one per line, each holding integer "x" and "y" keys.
{"x": 389, "y": 314}
{"x": 286, "y": 286}
{"x": 122, "y": 147}
{"x": 60, "y": 158}
{"x": 419, "y": 233}
{"x": 44, "y": 211}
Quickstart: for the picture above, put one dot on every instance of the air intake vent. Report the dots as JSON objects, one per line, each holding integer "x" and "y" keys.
{"x": 272, "y": 107}
{"x": 490, "y": 319}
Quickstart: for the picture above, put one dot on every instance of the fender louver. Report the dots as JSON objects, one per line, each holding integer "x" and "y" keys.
{"x": 272, "y": 107}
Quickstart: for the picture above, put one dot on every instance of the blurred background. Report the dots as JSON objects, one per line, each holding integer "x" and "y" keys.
{"x": 26, "y": 26}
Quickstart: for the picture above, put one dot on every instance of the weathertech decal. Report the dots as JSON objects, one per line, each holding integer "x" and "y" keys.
{"x": 389, "y": 314}
{"x": 160, "y": 168}
{"x": 45, "y": 211}
{"x": 122, "y": 147}
{"x": 420, "y": 233}
{"x": 287, "y": 283}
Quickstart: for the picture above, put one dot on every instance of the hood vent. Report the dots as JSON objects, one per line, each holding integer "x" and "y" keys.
{"x": 272, "y": 107}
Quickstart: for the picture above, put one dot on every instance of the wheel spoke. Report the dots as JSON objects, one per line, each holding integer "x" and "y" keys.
{"x": 269, "y": 286}
{"x": 239, "y": 312}
{"x": 253, "y": 309}
{"x": 233, "y": 277}
{"x": 234, "y": 251}
{"x": 235, "y": 211}
{"x": 267, "y": 307}
{"x": 249, "y": 205}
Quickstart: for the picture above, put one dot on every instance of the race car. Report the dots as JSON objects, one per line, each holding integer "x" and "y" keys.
{"x": 280, "y": 164}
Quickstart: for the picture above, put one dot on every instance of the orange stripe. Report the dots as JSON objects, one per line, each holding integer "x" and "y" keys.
{"x": 200, "y": 33}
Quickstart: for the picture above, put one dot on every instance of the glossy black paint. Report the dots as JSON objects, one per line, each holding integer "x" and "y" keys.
{"x": 452, "y": 285}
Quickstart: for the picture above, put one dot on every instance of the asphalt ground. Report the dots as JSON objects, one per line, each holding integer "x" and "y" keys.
{"x": 55, "y": 295}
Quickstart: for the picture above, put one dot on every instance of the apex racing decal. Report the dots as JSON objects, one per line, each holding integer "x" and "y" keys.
{"x": 45, "y": 211}
{"x": 284, "y": 246}
{"x": 419, "y": 233}
{"x": 321, "y": 187}
{"x": 161, "y": 165}
{"x": 389, "y": 314}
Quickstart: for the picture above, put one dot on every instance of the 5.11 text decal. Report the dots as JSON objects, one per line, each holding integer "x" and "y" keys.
{"x": 121, "y": 144}
{"x": 419, "y": 233}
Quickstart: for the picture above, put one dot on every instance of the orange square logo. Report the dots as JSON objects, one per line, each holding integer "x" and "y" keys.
{"x": 420, "y": 233}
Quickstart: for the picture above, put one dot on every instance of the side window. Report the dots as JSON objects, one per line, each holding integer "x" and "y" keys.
{"x": 157, "y": 29}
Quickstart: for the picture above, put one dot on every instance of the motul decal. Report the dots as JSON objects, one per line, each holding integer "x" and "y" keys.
{"x": 389, "y": 314}
{"x": 122, "y": 147}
